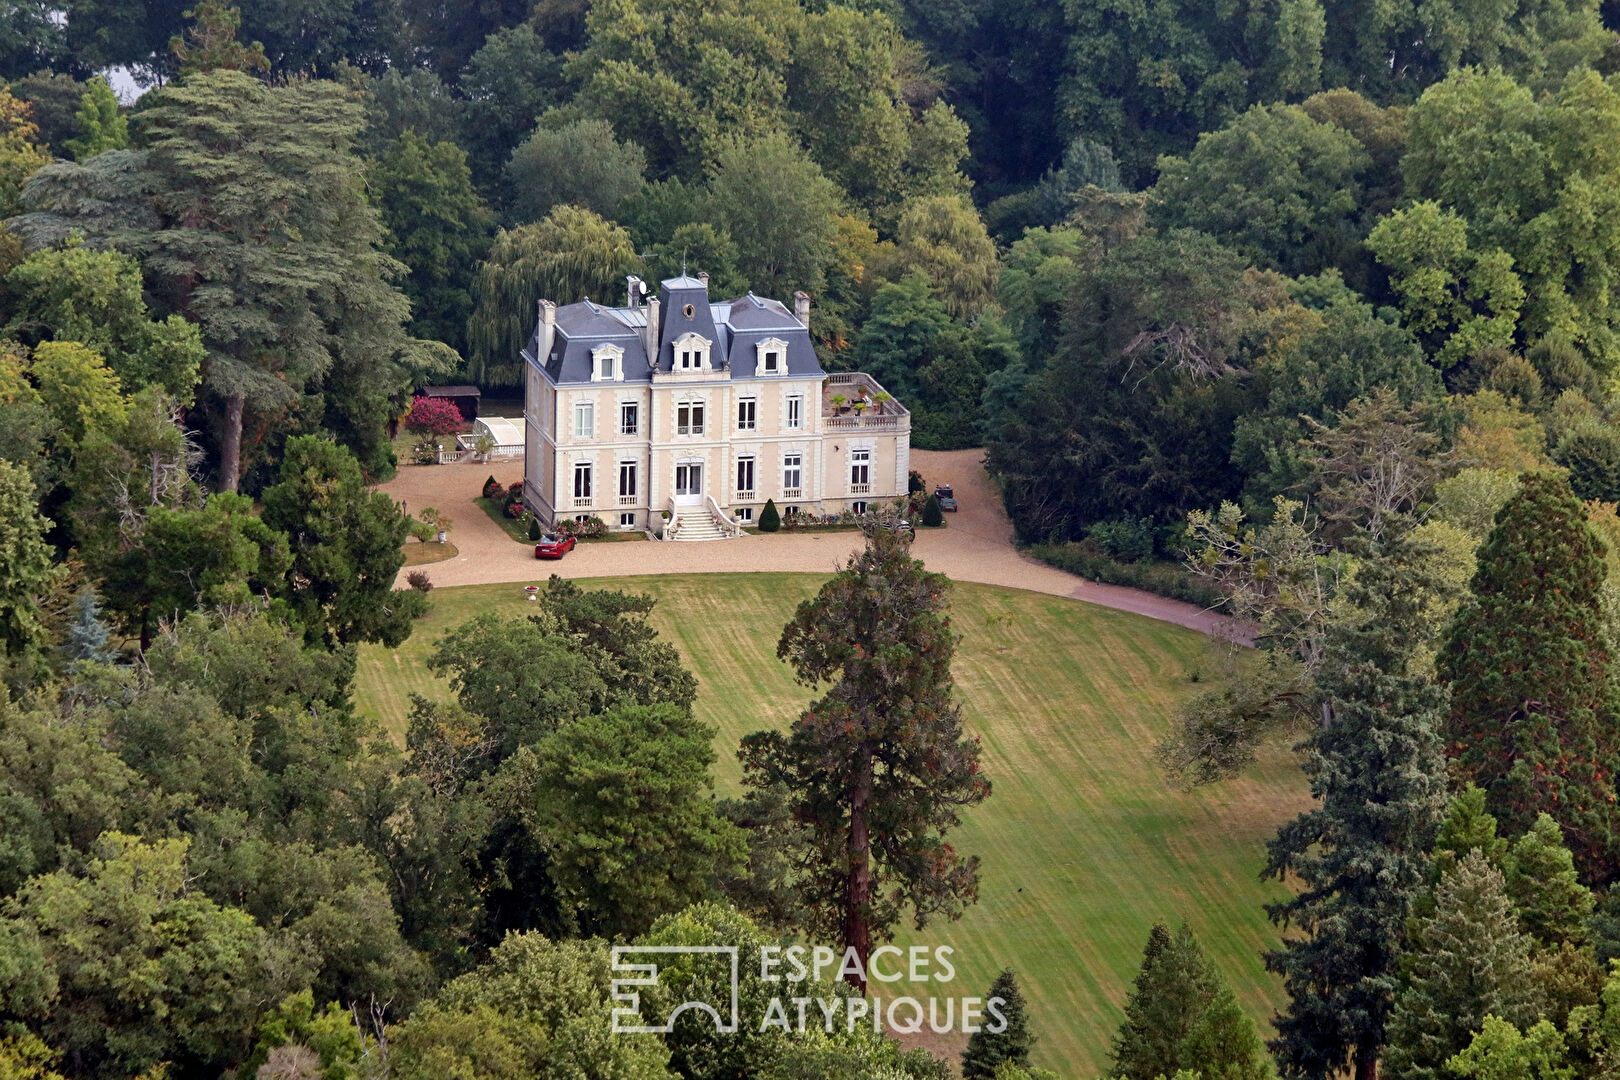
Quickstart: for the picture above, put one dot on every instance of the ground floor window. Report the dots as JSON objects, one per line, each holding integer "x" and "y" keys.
{"x": 627, "y": 521}
{"x": 582, "y": 480}
{"x": 580, "y": 519}
{"x": 858, "y": 506}
{"x": 745, "y": 513}
{"x": 790, "y": 511}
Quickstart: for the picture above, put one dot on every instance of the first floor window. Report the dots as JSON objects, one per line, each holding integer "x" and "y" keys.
{"x": 582, "y": 480}
{"x": 629, "y": 418}
{"x": 795, "y": 411}
{"x": 689, "y": 418}
{"x": 745, "y": 414}
{"x": 745, "y": 474}
{"x": 792, "y": 469}
{"x": 627, "y": 479}
{"x": 584, "y": 420}
{"x": 860, "y": 466}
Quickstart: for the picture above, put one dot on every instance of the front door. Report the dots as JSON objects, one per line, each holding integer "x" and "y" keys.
{"x": 688, "y": 483}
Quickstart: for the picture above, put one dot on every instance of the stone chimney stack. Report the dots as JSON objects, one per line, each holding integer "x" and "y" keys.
{"x": 651, "y": 342}
{"x": 703, "y": 276}
{"x": 801, "y": 308}
{"x": 634, "y": 290}
{"x": 548, "y": 330}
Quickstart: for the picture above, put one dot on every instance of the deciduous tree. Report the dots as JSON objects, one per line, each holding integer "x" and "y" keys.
{"x": 570, "y": 255}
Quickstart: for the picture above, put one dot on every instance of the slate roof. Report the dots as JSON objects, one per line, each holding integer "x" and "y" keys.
{"x": 735, "y": 326}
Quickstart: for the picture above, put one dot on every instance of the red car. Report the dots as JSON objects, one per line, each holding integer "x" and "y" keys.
{"x": 552, "y": 547}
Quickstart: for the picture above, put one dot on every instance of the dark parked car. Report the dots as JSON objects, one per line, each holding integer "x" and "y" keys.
{"x": 946, "y": 497}
{"x": 553, "y": 547}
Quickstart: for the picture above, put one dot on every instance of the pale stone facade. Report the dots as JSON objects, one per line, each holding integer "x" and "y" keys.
{"x": 699, "y": 410}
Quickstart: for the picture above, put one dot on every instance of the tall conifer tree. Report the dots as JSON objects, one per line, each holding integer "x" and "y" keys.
{"x": 986, "y": 1050}
{"x": 1471, "y": 961}
{"x": 1361, "y": 857}
{"x": 1532, "y": 710}
{"x": 1182, "y": 1016}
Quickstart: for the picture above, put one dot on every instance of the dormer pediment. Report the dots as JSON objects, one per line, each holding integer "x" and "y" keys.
{"x": 770, "y": 357}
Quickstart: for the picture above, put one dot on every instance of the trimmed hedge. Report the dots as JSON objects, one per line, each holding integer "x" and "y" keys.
{"x": 770, "y": 519}
{"x": 933, "y": 516}
{"x": 1161, "y": 578}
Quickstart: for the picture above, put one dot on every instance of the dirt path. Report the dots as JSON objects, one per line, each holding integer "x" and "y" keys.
{"x": 976, "y": 545}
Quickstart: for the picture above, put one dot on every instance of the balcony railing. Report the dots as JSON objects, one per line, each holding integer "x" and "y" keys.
{"x": 744, "y": 496}
{"x": 792, "y": 493}
{"x": 860, "y": 489}
{"x": 580, "y": 503}
{"x": 627, "y": 500}
{"x": 869, "y": 423}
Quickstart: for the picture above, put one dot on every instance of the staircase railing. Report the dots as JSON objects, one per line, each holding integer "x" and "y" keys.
{"x": 673, "y": 525}
{"x": 726, "y": 525}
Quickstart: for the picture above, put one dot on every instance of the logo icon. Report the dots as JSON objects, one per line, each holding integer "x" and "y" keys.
{"x": 627, "y": 1018}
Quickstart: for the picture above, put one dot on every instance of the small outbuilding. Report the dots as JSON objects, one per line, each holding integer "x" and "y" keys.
{"x": 465, "y": 398}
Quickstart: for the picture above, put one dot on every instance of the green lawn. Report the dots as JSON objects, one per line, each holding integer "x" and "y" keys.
{"x": 1083, "y": 844}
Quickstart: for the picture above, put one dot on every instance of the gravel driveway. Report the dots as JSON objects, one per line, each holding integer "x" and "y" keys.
{"x": 976, "y": 545}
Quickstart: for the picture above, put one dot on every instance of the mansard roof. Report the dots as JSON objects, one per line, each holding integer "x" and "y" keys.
{"x": 734, "y": 327}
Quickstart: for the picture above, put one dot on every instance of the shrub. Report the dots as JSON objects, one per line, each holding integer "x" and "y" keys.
{"x": 418, "y": 580}
{"x": 433, "y": 416}
{"x": 914, "y": 482}
{"x": 1164, "y": 579}
{"x": 591, "y": 526}
{"x": 1125, "y": 539}
{"x": 534, "y": 528}
{"x": 769, "y": 519}
{"x": 932, "y": 515}
{"x": 493, "y": 489}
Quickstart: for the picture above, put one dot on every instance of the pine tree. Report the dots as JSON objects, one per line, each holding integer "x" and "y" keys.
{"x": 1361, "y": 857}
{"x": 1472, "y": 961}
{"x": 1532, "y": 712}
{"x": 87, "y": 636}
{"x": 988, "y": 1051}
{"x": 1552, "y": 903}
{"x": 1182, "y": 1016}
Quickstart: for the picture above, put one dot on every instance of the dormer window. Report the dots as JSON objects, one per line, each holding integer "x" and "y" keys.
{"x": 770, "y": 357}
{"x": 607, "y": 364}
{"x": 691, "y": 352}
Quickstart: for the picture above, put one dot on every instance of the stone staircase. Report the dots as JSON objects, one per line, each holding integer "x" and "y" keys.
{"x": 695, "y": 523}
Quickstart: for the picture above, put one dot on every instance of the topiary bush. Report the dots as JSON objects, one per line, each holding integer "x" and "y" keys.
{"x": 534, "y": 529}
{"x": 493, "y": 489}
{"x": 932, "y": 516}
{"x": 769, "y": 519}
{"x": 914, "y": 482}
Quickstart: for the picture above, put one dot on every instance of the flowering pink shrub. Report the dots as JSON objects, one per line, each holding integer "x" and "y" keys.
{"x": 433, "y": 416}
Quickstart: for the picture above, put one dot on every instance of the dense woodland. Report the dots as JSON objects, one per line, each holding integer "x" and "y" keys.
{"x": 1317, "y": 298}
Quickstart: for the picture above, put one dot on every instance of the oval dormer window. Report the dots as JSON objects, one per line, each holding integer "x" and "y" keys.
{"x": 689, "y": 311}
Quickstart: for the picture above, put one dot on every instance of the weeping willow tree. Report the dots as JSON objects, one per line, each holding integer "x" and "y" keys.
{"x": 570, "y": 255}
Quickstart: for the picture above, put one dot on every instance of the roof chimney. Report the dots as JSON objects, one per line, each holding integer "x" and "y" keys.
{"x": 651, "y": 343}
{"x": 636, "y": 289}
{"x": 801, "y": 308}
{"x": 703, "y": 276}
{"x": 548, "y": 331}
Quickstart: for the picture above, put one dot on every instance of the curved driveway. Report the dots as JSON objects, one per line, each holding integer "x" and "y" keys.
{"x": 976, "y": 545}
